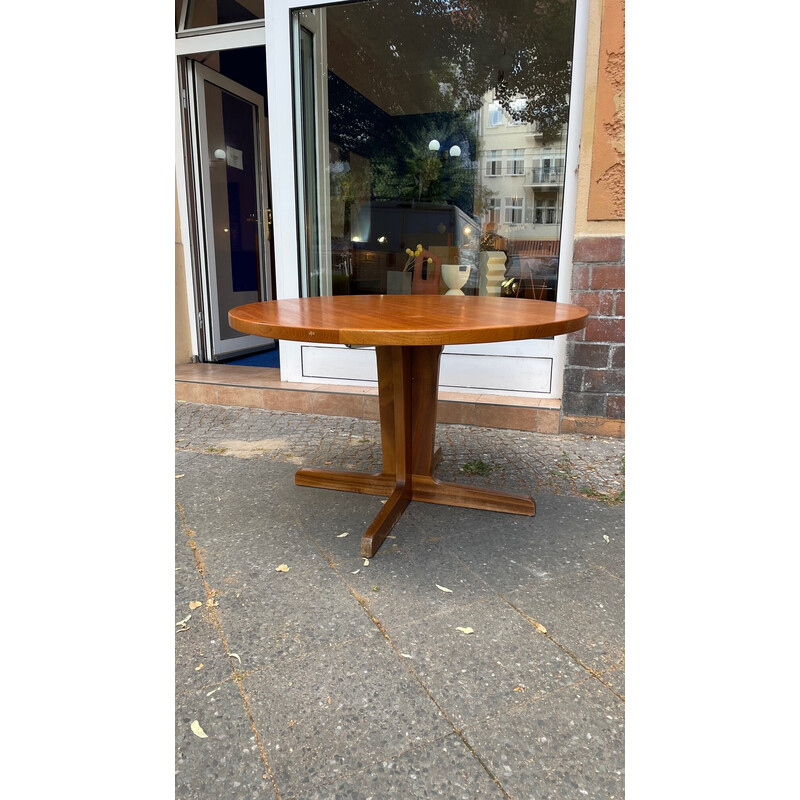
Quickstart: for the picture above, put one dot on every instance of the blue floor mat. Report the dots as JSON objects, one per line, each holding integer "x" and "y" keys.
{"x": 268, "y": 358}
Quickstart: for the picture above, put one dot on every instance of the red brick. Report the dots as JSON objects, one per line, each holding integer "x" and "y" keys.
{"x": 602, "y": 329}
{"x": 615, "y": 407}
{"x": 610, "y": 277}
{"x": 619, "y": 305}
{"x": 595, "y": 249}
{"x": 581, "y": 277}
{"x": 609, "y": 381}
{"x": 598, "y": 304}
{"x": 581, "y": 354}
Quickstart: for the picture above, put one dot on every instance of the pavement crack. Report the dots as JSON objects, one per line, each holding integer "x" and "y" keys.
{"x": 217, "y": 623}
{"x": 593, "y": 672}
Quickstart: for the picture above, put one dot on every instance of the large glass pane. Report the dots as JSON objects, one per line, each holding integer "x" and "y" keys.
{"x": 446, "y": 132}
{"x": 204, "y": 13}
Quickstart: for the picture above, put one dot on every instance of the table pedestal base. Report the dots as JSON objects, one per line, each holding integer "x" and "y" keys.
{"x": 408, "y": 378}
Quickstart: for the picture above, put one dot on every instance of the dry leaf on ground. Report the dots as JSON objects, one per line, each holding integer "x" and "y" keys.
{"x": 198, "y": 731}
{"x": 465, "y": 630}
{"x": 342, "y": 535}
{"x": 444, "y": 588}
{"x": 195, "y": 604}
{"x": 282, "y": 568}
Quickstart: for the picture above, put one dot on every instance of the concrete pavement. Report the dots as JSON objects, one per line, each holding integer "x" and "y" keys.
{"x": 476, "y": 655}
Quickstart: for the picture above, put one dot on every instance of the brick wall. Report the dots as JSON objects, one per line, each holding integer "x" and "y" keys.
{"x": 594, "y": 380}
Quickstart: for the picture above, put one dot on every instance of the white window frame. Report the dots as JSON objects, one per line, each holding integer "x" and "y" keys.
{"x": 494, "y": 210}
{"x": 514, "y": 207}
{"x": 520, "y": 103}
{"x": 496, "y": 116}
{"x": 516, "y": 163}
{"x": 495, "y": 158}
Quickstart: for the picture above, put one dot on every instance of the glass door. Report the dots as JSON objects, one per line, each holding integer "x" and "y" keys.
{"x": 232, "y": 180}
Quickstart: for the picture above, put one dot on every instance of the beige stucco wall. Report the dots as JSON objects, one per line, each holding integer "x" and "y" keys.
{"x": 601, "y": 174}
{"x": 183, "y": 337}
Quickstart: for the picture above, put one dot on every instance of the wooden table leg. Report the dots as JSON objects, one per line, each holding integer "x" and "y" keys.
{"x": 408, "y": 379}
{"x": 424, "y": 487}
{"x": 394, "y": 387}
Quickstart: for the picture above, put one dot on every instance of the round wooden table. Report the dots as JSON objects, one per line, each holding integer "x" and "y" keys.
{"x": 409, "y": 333}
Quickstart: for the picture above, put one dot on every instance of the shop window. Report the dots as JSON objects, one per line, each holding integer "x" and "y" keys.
{"x": 411, "y": 92}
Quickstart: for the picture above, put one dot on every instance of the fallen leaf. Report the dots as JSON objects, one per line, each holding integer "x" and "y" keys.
{"x": 366, "y": 562}
{"x": 195, "y": 604}
{"x": 211, "y": 603}
{"x": 342, "y": 535}
{"x": 184, "y": 621}
{"x": 465, "y": 630}
{"x": 235, "y": 655}
{"x": 405, "y": 655}
{"x": 444, "y": 588}
{"x": 198, "y": 731}
{"x": 180, "y": 476}
{"x": 198, "y": 668}
{"x": 282, "y": 568}
{"x": 606, "y": 538}
{"x": 356, "y": 571}
{"x": 540, "y": 628}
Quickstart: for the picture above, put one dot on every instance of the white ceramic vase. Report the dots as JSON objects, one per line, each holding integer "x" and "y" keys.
{"x": 455, "y": 276}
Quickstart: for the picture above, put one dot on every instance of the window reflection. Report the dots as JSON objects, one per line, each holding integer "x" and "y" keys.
{"x": 204, "y": 13}
{"x": 446, "y": 130}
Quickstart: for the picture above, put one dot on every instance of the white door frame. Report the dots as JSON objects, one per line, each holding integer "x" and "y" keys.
{"x": 202, "y": 75}
{"x": 186, "y": 45}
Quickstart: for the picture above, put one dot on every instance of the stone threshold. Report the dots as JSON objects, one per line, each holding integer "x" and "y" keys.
{"x": 261, "y": 387}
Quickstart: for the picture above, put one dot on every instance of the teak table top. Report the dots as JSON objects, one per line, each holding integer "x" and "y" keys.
{"x": 380, "y": 319}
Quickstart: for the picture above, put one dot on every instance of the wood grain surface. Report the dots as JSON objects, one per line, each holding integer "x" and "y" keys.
{"x": 407, "y": 319}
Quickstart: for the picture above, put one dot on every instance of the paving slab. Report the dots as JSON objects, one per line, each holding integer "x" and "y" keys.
{"x": 441, "y": 769}
{"x": 584, "y": 612}
{"x": 511, "y": 552}
{"x": 322, "y": 719}
{"x": 227, "y": 764}
{"x": 564, "y": 746}
{"x": 504, "y": 663}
